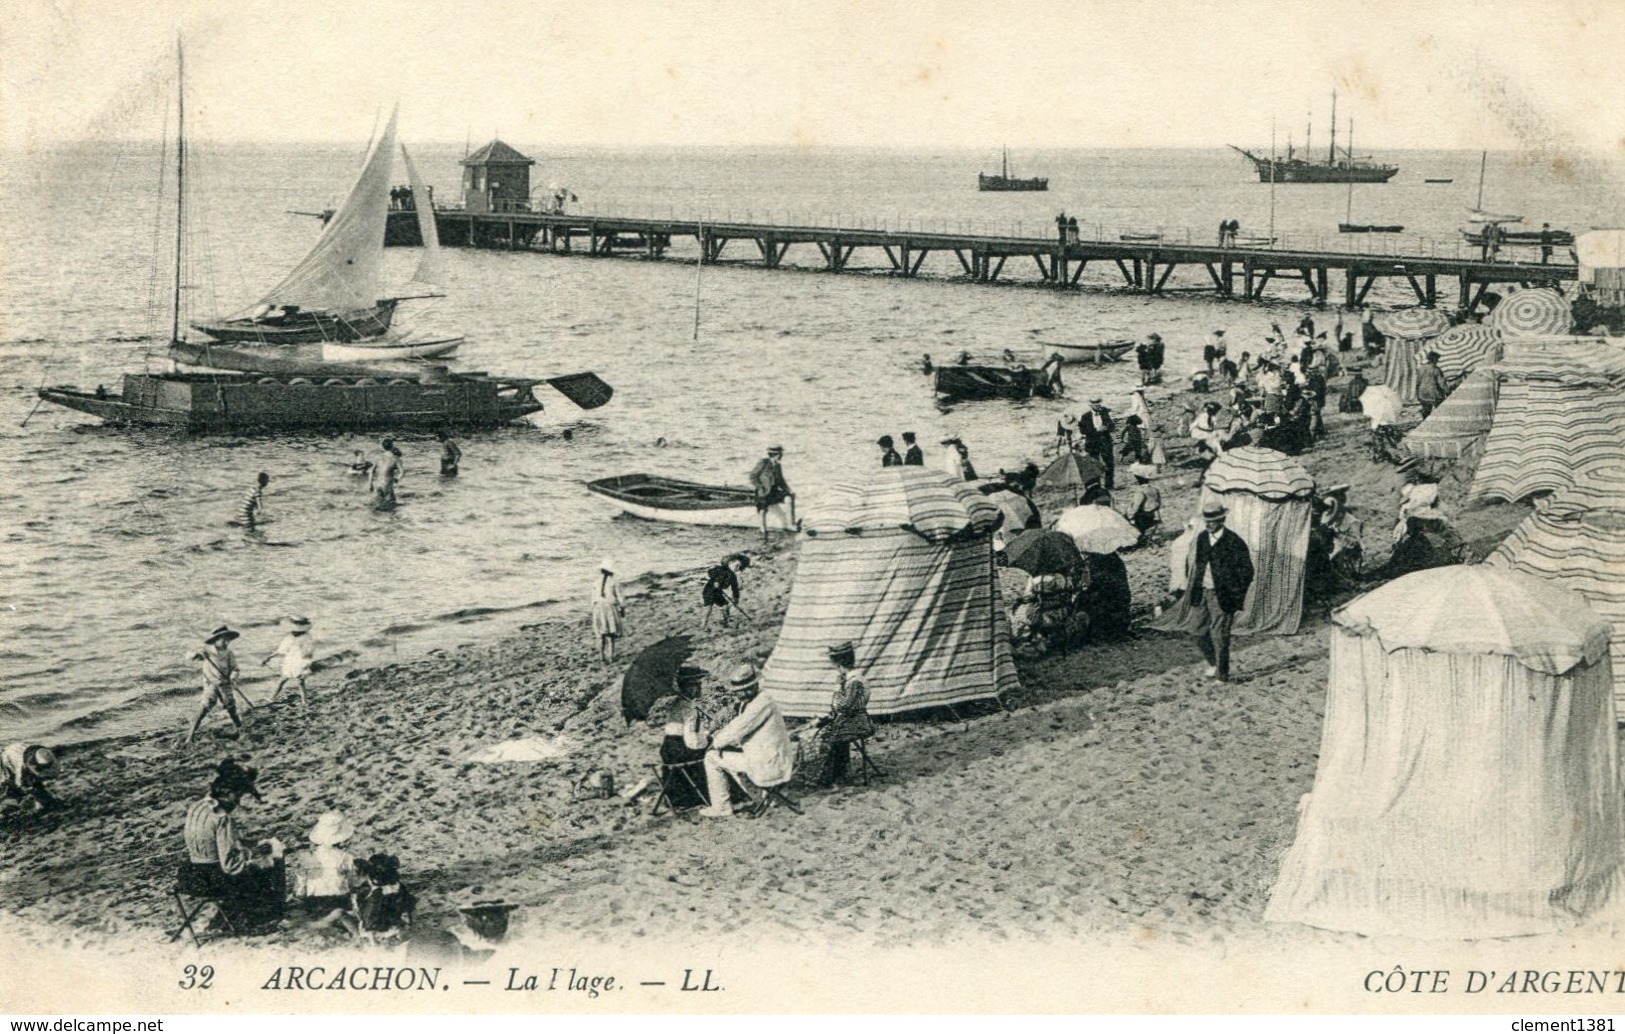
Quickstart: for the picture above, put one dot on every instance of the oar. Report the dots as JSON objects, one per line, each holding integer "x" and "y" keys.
{"x": 586, "y": 390}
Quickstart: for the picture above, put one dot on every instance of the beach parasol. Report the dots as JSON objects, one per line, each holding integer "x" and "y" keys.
{"x": 1017, "y": 510}
{"x": 1265, "y": 473}
{"x": 1413, "y": 324}
{"x": 1098, "y": 529}
{"x": 1382, "y": 404}
{"x": 1531, "y": 313}
{"x": 1041, "y": 552}
{"x": 652, "y": 675}
{"x": 1465, "y": 348}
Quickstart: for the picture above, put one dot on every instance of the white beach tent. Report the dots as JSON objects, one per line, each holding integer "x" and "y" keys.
{"x": 901, "y": 564}
{"x": 1468, "y": 781}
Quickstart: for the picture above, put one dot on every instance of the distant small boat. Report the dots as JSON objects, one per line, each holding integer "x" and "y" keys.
{"x": 1005, "y": 181}
{"x": 385, "y": 350}
{"x": 1367, "y": 228}
{"x": 1252, "y": 242}
{"x": 1105, "y": 351}
{"x": 1438, "y": 179}
{"x": 658, "y": 498}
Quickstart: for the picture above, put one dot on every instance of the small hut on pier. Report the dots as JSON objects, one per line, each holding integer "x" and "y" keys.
{"x": 496, "y": 178}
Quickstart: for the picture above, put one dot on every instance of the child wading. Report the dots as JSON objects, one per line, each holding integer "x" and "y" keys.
{"x": 298, "y": 651}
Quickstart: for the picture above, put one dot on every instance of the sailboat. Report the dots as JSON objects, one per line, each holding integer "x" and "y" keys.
{"x": 332, "y": 293}
{"x": 1348, "y": 225}
{"x": 1005, "y": 181}
{"x": 1293, "y": 169}
{"x": 337, "y": 398}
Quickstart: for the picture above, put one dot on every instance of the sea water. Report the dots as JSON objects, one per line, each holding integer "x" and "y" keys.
{"x": 115, "y": 551}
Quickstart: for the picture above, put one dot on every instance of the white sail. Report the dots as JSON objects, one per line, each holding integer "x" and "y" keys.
{"x": 341, "y": 271}
{"x": 428, "y": 271}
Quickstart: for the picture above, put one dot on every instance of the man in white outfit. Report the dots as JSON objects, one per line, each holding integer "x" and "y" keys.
{"x": 756, "y": 744}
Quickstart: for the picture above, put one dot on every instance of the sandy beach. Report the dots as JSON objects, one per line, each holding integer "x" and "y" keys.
{"x": 1117, "y": 793}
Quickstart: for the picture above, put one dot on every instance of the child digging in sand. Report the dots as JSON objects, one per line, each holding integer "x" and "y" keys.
{"x": 298, "y": 652}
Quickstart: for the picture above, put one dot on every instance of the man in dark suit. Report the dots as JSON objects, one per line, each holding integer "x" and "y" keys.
{"x": 1221, "y": 572}
{"x": 1096, "y": 425}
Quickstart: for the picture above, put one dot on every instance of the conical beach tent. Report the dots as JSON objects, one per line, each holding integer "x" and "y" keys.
{"x": 1267, "y": 494}
{"x": 901, "y": 564}
{"x": 1060, "y": 486}
{"x": 1461, "y": 419}
{"x": 1468, "y": 778}
{"x": 1560, "y": 412}
{"x": 1581, "y": 549}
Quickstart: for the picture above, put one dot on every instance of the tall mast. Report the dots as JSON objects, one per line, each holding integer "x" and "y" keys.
{"x": 1007, "y": 163}
{"x": 1272, "y": 179}
{"x": 180, "y": 183}
{"x": 1482, "y": 160}
{"x": 1349, "y": 210}
{"x": 1331, "y": 154}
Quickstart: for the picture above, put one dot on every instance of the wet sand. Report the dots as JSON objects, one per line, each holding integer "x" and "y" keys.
{"x": 1119, "y": 793}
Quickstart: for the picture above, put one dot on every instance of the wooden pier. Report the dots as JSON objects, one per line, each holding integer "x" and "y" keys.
{"x": 1146, "y": 262}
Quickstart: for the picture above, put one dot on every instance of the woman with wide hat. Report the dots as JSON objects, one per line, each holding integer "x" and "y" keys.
{"x": 247, "y": 882}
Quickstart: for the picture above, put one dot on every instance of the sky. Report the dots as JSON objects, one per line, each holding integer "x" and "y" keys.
{"x": 1539, "y": 75}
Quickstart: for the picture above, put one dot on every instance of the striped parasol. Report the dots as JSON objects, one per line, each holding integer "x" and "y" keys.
{"x": 1463, "y": 349}
{"x": 925, "y": 501}
{"x": 1531, "y": 313}
{"x": 1602, "y": 488}
{"x": 1462, "y": 419}
{"x": 1261, "y": 472}
{"x": 1413, "y": 324}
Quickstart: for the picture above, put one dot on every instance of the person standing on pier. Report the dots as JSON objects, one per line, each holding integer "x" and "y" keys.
{"x": 888, "y": 452}
{"x": 1545, "y": 243}
{"x": 913, "y": 456}
{"x": 771, "y": 491}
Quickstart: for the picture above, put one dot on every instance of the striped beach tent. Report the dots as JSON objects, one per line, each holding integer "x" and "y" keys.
{"x": 1267, "y": 495}
{"x": 1560, "y": 412}
{"x": 1464, "y": 349}
{"x": 1401, "y": 368}
{"x": 900, "y": 564}
{"x": 1467, "y": 784}
{"x": 1581, "y": 548}
{"x": 1461, "y": 419}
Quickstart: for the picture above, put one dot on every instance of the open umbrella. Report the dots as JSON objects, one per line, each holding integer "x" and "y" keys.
{"x": 1413, "y": 324}
{"x": 1017, "y": 510}
{"x": 1531, "y": 313}
{"x": 1382, "y": 404}
{"x": 652, "y": 675}
{"x": 1098, "y": 529}
{"x": 1041, "y": 552}
{"x": 1465, "y": 348}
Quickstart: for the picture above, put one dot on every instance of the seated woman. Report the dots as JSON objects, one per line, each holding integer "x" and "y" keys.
{"x": 248, "y": 884}
{"x": 383, "y": 903}
{"x": 325, "y": 875}
{"x": 848, "y": 719}
{"x": 682, "y": 752}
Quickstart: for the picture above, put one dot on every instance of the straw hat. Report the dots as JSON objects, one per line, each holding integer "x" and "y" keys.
{"x": 331, "y": 829}
{"x": 742, "y": 676}
{"x": 1213, "y": 512}
{"x": 220, "y": 632}
{"x": 843, "y": 652}
{"x": 299, "y": 623}
{"x": 775, "y": 450}
{"x": 40, "y": 761}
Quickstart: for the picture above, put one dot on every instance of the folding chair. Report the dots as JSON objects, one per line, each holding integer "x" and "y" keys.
{"x": 686, "y": 772}
{"x": 866, "y": 767}
{"x": 190, "y": 901}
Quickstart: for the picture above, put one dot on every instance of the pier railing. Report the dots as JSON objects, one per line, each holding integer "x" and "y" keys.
{"x": 1374, "y": 245}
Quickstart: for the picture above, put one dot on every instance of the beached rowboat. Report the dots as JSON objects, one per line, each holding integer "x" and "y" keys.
{"x": 990, "y": 382}
{"x": 1104, "y": 351}
{"x": 657, "y": 498}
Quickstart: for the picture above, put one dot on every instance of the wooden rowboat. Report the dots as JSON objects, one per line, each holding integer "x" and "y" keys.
{"x": 1102, "y": 352}
{"x": 965, "y": 383}
{"x": 657, "y": 498}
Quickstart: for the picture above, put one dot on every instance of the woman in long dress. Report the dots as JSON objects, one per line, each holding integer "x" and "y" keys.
{"x": 682, "y": 751}
{"x": 608, "y": 610}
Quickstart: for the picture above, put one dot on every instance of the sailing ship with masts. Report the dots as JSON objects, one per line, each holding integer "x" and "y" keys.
{"x": 1297, "y": 169}
{"x": 1005, "y": 181}
{"x": 276, "y": 392}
